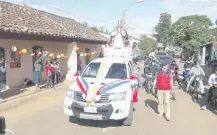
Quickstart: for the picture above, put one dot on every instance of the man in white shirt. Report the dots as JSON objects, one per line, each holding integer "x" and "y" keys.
{"x": 2, "y": 76}
{"x": 212, "y": 82}
{"x": 196, "y": 71}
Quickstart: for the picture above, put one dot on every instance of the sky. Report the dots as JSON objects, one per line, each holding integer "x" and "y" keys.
{"x": 141, "y": 18}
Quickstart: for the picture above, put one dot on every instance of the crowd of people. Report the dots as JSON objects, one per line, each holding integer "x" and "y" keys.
{"x": 52, "y": 71}
{"x": 163, "y": 81}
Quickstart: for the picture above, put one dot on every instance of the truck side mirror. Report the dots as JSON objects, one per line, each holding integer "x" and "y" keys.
{"x": 2, "y": 125}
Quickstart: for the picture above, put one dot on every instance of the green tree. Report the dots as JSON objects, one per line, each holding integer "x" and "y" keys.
{"x": 163, "y": 29}
{"x": 147, "y": 45}
{"x": 189, "y": 32}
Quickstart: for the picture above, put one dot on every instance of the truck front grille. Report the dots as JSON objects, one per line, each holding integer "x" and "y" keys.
{"x": 103, "y": 98}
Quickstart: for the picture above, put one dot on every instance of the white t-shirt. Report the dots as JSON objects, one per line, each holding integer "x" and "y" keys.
{"x": 212, "y": 79}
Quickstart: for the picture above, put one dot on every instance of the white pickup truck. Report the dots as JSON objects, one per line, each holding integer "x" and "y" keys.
{"x": 115, "y": 96}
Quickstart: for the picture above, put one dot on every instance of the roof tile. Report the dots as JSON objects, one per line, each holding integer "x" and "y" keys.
{"x": 24, "y": 19}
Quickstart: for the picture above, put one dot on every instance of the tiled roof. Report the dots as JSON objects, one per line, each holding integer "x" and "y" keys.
{"x": 23, "y": 19}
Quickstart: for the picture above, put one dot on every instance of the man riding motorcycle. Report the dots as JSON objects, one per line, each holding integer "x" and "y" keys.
{"x": 187, "y": 66}
{"x": 153, "y": 68}
{"x": 212, "y": 83}
{"x": 147, "y": 64}
{"x": 196, "y": 71}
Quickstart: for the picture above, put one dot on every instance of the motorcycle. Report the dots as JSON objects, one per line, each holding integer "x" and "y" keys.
{"x": 213, "y": 100}
{"x": 149, "y": 83}
{"x": 186, "y": 76}
{"x": 196, "y": 86}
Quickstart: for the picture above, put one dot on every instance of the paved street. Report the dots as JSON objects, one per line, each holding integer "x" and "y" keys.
{"x": 44, "y": 116}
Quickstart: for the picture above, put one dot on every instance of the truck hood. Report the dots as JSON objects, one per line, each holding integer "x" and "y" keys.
{"x": 106, "y": 86}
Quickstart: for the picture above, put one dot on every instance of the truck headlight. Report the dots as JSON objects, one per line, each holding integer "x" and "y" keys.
{"x": 117, "y": 96}
{"x": 70, "y": 93}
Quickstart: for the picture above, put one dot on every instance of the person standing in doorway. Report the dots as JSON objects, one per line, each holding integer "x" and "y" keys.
{"x": 79, "y": 63}
{"x": 164, "y": 83}
{"x": 38, "y": 68}
{"x": 2, "y": 76}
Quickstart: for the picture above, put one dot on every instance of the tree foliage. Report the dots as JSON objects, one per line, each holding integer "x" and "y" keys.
{"x": 147, "y": 45}
{"x": 189, "y": 32}
{"x": 163, "y": 29}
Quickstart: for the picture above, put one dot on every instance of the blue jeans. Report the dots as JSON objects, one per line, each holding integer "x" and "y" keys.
{"x": 1, "y": 88}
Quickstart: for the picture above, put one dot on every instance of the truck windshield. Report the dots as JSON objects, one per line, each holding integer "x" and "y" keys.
{"x": 117, "y": 71}
{"x": 91, "y": 70}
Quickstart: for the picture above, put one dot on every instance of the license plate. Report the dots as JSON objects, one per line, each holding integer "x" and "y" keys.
{"x": 90, "y": 109}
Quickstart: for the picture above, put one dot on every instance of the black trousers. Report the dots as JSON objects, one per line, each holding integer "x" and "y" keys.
{"x": 53, "y": 78}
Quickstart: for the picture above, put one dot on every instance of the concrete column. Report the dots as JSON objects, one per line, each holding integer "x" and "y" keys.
{"x": 72, "y": 61}
{"x": 203, "y": 55}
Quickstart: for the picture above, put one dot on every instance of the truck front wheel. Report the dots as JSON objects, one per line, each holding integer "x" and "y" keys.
{"x": 73, "y": 119}
{"x": 129, "y": 120}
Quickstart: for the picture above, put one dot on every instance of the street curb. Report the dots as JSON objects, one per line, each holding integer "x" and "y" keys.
{"x": 17, "y": 100}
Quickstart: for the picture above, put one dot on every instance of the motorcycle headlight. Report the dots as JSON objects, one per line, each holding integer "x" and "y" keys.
{"x": 70, "y": 93}
{"x": 117, "y": 96}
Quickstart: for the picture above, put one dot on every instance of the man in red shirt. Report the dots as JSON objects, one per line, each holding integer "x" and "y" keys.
{"x": 164, "y": 84}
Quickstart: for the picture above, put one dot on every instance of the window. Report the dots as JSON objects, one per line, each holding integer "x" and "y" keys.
{"x": 87, "y": 58}
{"x": 91, "y": 70}
{"x": 117, "y": 71}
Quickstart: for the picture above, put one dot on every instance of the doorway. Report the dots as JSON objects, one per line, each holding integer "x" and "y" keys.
{"x": 2, "y": 55}
{"x": 87, "y": 58}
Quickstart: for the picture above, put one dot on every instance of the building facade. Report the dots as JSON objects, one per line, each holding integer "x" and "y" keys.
{"x": 25, "y": 27}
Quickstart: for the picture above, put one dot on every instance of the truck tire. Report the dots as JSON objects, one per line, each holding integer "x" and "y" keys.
{"x": 129, "y": 120}
{"x": 73, "y": 119}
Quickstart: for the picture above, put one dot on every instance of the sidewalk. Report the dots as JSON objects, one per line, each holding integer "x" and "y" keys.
{"x": 15, "y": 96}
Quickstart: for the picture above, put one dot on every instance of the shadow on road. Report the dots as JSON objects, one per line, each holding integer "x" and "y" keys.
{"x": 151, "y": 103}
{"x": 96, "y": 123}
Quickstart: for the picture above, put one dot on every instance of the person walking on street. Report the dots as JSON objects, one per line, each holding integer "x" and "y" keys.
{"x": 38, "y": 68}
{"x": 2, "y": 76}
{"x": 164, "y": 84}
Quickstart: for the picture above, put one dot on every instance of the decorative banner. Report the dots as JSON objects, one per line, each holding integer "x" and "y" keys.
{"x": 58, "y": 56}
{"x": 93, "y": 90}
{"x": 62, "y": 55}
{"x": 20, "y": 53}
{"x": 75, "y": 49}
{"x": 24, "y": 51}
{"x": 14, "y": 48}
{"x": 51, "y": 54}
